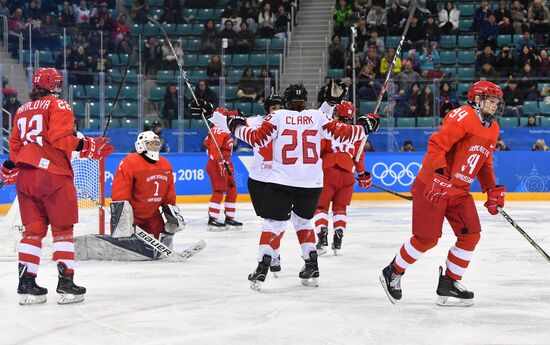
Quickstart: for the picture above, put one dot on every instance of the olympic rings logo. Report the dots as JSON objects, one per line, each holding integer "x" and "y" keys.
{"x": 396, "y": 172}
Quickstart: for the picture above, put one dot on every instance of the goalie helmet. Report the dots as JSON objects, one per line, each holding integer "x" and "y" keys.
{"x": 148, "y": 143}
{"x": 47, "y": 79}
{"x": 345, "y": 110}
{"x": 271, "y": 101}
{"x": 480, "y": 92}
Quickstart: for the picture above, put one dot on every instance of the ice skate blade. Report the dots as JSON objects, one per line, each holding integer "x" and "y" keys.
{"x": 336, "y": 252}
{"x": 321, "y": 251}
{"x": 385, "y": 287}
{"x": 255, "y": 285}
{"x": 275, "y": 274}
{"x": 311, "y": 282}
{"x": 234, "y": 227}
{"x": 68, "y": 298}
{"x": 448, "y": 301}
{"x": 27, "y": 299}
{"x": 217, "y": 228}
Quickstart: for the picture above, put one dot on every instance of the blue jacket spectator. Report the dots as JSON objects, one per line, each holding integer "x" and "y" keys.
{"x": 428, "y": 59}
{"x": 525, "y": 40}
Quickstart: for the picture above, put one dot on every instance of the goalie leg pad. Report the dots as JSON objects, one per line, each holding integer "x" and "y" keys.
{"x": 107, "y": 248}
{"x": 122, "y": 219}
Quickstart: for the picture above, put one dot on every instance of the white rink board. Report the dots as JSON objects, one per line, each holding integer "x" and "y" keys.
{"x": 207, "y": 299}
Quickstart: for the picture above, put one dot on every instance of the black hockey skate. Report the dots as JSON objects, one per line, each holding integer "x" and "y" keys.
{"x": 68, "y": 291}
{"x": 275, "y": 266}
{"x": 337, "y": 241}
{"x": 391, "y": 282}
{"x": 448, "y": 287}
{"x": 322, "y": 241}
{"x": 214, "y": 225}
{"x": 310, "y": 271}
{"x": 258, "y": 276}
{"x": 231, "y": 222}
{"x": 29, "y": 292}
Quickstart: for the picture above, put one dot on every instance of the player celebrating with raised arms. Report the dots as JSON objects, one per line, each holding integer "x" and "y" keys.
{"x": 461, "y": 151}
{"x": 41, "y": 145}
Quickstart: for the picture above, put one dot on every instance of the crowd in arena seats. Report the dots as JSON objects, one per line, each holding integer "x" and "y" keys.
{"x": 456, "y": 42}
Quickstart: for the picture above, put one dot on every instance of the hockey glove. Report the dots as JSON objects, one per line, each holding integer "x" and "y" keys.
{"x": 200, "y": 108}
{"x": 370, "y": 122}
{"x": 235, "y": 118}
{"x": 9, "y": 172}
{"x": 96, "y": 148}
{"x": 335, "y": 92}
{"x": 365, "y": 179}
{"x": 495, "y": 199}
{"x": 437, "y": 191}
{"x": 221, "y": 166}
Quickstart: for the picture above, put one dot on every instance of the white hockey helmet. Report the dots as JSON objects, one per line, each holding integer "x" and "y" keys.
{"x": 148, "y": 143}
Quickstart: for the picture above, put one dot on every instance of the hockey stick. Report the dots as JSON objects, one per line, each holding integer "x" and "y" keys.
{"x": 153, "y": 242}
{"x": 115, "y": 103}
{"x": 406, "y": 197}
{"x": 184, "y": 76}
{"x": 523, "y": 233}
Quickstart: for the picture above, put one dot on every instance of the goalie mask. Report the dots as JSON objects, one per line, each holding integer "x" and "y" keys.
{"x": 148, "y": 144}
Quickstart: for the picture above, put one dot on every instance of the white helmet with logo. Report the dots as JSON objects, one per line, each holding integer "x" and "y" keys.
{"x": 148, "y": 143}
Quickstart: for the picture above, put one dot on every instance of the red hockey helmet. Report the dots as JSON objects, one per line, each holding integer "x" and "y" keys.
{"x": 47, "y": 79}
{"x": 345, "y": 110}
{"x": 486, "y": 89}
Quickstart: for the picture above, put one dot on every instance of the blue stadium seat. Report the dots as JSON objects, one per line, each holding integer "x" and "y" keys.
{"x": 462, "y": 90}
{"x": 129, "y": 123}
{"x": 94, "y": 109}
{"x": 544, "y": 108}
{"x": 234, "y": 75}
{"x": 78, "y": 108}
{"x": 196, "y": 123}
{"x": 466, "y": 73}
{"x": 392, "y": 41}
{"x": 231, "y": 93}
{"x": 506, "y": 122}
{"x": 205, "y": 13}
{"x": 504, "y": 39}
{"x": 385, "y": 122}
{"x": 425, "y": 122}
{"x": 466, "y": 10}
{"x": 447, "y": 42}
{"x": 197, "y": 75}
{"x": 79, "y": 92}
{"x": 92, "y": 92}
{"x": 466, "y": 57}
{"x": 245, "y": 107}
{"x": 130, "y": 109}
{"x": 156, "y": 93}
{"x": 545, "y": 122}
{"x": 257, "y": 60}
{"x": 465, "y": 25}
{"x": 530, "y": 108}
{"x": 115, "y": 60}
{"x": 136, "y": 29}
{"x": 150, "y": 29}
{"x": 189, "y": 60}
{"x": 274, "y": 61}
{"x": 277, "y": 44}
{"x": 193, "y": 45}
{"x": 240, "y": 60}
{"x": 184, "y": 29}
{"x": 111, "y": 91}
{"x": 407, "y": 122}
{"x": 262, "y": 43}
{"x": 257, "y": 109}
{"x": 129, "y": 93}
{"x": 450, "y": 72}
{"x": 335, "y": 72}
{"x": 165, "y": 77}
{"x": 188, "y": 12}
{"x": 366, "y": 107}
{"x": 197, "y": 29}
{"x": 447, "y": 57}
{"x": 466, "y": 41}
{"x": 46, "y": 58}
{"x": 171, "y": 29}
{"x": 202, "y": 60}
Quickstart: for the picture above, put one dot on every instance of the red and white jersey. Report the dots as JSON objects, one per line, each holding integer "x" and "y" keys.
{"x": 262, "y": 163}
{"x": 342, "y": 155}
{"x": 145, "y": 185}
{"x": 224, "y": 141}
{"x": 464, "y": 148}
{"x": 296, "y": 143}
{"x": 43, "y": 136}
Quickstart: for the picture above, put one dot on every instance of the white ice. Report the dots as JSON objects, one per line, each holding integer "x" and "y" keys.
{"x": 207, "y": 300}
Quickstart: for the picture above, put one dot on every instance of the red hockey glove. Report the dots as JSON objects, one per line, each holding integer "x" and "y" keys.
{"x": 438, "y": 189}
{"x": 495, "y": 198}
{"x": 370, "y": 122}
{"x": 9, "y": 172}
{"x": 96, "y": 148}
{"x": 365, "y": 179}
{"x": 234, "y": 119}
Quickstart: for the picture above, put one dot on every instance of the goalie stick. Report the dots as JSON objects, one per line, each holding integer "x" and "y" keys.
{"x": 153, "y": 242}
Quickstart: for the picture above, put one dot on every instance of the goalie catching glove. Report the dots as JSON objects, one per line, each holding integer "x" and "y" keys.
{"x": 173, "y": 220}
{"x": 335, "y": 91}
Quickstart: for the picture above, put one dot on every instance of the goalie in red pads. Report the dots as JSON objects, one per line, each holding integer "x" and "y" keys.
{"x": 41, "y": 145}
{"x": 461, "y": 151}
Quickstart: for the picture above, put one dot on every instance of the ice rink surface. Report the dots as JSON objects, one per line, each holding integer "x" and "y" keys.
{"x": 207, "y": 300}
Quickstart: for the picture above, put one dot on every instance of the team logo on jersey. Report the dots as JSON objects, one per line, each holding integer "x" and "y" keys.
{"x": 396, "y": 172}
{"x": 533, "y": 182}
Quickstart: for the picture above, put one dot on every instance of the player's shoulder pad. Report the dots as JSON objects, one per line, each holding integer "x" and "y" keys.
{"x": 464, "y": 116}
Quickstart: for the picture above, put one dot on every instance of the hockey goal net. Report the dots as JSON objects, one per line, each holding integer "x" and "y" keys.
{"x": 89, "y": 180}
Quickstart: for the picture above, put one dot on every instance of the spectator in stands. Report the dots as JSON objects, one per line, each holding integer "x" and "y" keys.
{"x": 214, "y": 69}
{"x": 79, "y": 67}
{"x": 342, "y": 11}
{"x": 504, "y": 19}
{"x": 376, "y": 42}
{"x": 487, "y": 72}
{"x": 448, "y": 99}
{"x": 139, "y": 11}
{"x": 543, "y": 65}
{"x": 49, "y": 34}
{"x": 488, "y": 33}
{"x": 480, "y": 15}
{"x": 526, "y": 55}
{"x": 281, "y": 22}
{"x": 429, "y": 58}
{"x": 376, "y": 19}
{"x": 531, "y": 121}
{"x": 486, "y": 56}
{"x": 545, "y": 94}
{"x": 33, "y": 13}
{"x": 229, "y": 34}
{"x": 170, "y": 105}
{"x": 265, "y": 73}
{"x": 539, "y": 145}
{"x": 528, "y": 83}
{"x": 209, "y": 37}
{"x": 506, "y": 64}
{"x": 250, "y": 10}
{"x": 266, "y": 22}
{"x": 501, "y": 146}
{"x": 361, "y": 7}
{"x": 151, "y": 55}
{"x": 171, "y": 12}
{"x": 248, "y": 86}
{"x": 538, "y": 16}
{"x": 448, "y": 18}
{"x": 203, "y": 91}
{"x": 407, "y": 146}
{"x": 244, "y": 40}
{"x": 368, "y": 87}
{"x": 64, "y": 57}
{"x": 121, "y": 33}
{"x": 525, "y": 40}
{"x": 169, "y": 61}
{"x": 83, "y": 14}
{"x": 406, "y": 101}
{"x": 363, "y": 35}
{"x": 415, "y": 36}
{"x": 513, "y": 99}
{"x": 386, "y": 61}
{"x": 4, "y": 9}
{"x": 11, "y": 104}
{"x": 519, "y": 17}
{"x": 336, "y": 53}
{"x": 322, "y": 91}
{"x": 66, "y": 18}
{"x": 369, "y": 147}
{"x": 348, "y": 70}
{"x": 16, "y": 27}
{"x": 412, "y": 58}
{"x": 373, "y": 60}
{"x": 407, "y": 76}
{"x": 425, "y": 102}
{"x": 394, "y": 19}
{"x": 432, "y": 31}
{"x": 102, "y": 23}
{"x": 156, "y": 127}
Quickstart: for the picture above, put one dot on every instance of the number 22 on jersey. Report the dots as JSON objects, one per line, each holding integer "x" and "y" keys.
{"x": 31, "y": 131}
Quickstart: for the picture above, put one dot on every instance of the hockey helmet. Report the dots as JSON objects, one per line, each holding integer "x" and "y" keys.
{"x": 345, "y": 110}
{"x": 272, "y": 101}
{"x": 295, "y": 93}
{"x": 47, "y": 79}
{"x": 485, "y": 90}
{"x": 148, "y": 143}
